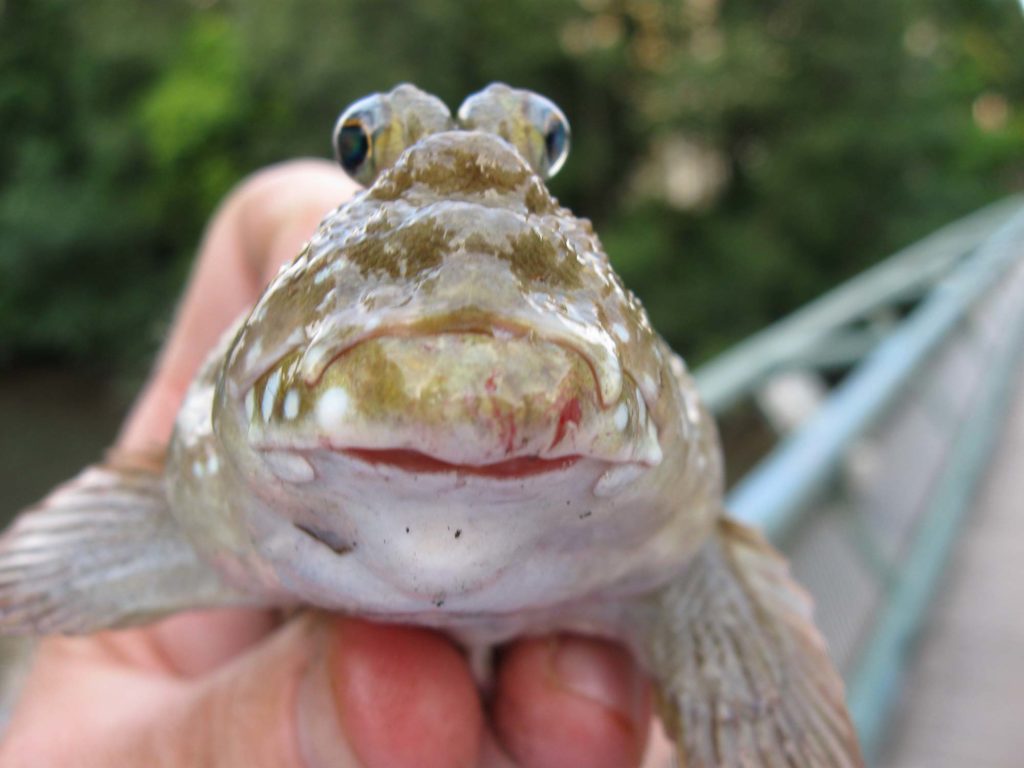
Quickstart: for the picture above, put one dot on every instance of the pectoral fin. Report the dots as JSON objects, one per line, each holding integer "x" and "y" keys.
{"x": 101, "y": 551}
{"x": 744, "y": 678}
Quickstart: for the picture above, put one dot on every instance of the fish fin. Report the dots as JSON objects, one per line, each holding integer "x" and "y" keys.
{"x": 101, "y": 551}
{"x": 745, "y": 679}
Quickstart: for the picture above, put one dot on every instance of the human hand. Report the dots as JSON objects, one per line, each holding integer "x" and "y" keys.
{"x": 243, "y": 688}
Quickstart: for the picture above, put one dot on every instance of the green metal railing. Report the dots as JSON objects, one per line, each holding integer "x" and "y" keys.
{"x": 809, "y": 332}
{"x": 869, "y": 550}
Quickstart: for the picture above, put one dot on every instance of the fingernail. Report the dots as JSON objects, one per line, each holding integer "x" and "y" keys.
{"x": 603, "y": 673}
{"x": 322, "y": 742}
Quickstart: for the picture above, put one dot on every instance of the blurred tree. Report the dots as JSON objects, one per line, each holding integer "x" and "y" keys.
{"x": 739, "y": 158}
{"x": 827, "y": 134}
{"x": 85, "y": 241}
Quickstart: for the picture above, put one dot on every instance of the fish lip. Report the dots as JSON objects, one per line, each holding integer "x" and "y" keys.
{"x": 417, "y": 462}
{"x": 411, "y": 461}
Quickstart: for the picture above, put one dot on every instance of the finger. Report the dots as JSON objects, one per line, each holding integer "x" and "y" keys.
{"x": 197, "y": 642}
{"x": 287, "y": 204}
{"x": 661, "y": 752}
{"x": 321, "y": 691}
{"x": 336, "y": 692}
{"x": 493, "y": 755}
{"x": 571, "y": 701}
{"x": 100, "y": 693}
{"x": 407, "y": 698}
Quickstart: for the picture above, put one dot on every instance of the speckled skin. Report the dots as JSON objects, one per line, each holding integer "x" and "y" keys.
{"x": 461, "y": 314}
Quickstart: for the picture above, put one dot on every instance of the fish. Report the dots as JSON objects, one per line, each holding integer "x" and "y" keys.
{"x": 449, "y": 411}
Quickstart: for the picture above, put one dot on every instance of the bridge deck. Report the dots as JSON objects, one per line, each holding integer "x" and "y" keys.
{"x": 963, "y": 697}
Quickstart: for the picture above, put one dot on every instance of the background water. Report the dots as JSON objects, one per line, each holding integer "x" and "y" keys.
{"x": 54, "y": 422}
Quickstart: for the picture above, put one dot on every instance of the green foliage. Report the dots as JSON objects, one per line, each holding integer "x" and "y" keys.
{"x": 738, "y": 158}
{"x": 196, "y": 99}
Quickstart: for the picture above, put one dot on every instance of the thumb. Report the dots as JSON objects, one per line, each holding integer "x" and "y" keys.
{"x": 326, "y": 691}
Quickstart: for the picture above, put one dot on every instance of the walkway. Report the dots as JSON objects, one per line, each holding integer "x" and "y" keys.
{"x": 963, "y": 700}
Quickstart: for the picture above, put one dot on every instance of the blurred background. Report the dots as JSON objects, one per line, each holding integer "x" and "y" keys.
{"x": 739, "y": 157}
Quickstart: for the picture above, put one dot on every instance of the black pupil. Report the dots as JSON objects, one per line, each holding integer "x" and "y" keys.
{"x": 554, "y": 141}
{"x": 353, "y": 145}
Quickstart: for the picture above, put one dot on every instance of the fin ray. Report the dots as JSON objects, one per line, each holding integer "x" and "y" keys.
{"x": 101, "y": 551}
{"x": 745, "y": 678}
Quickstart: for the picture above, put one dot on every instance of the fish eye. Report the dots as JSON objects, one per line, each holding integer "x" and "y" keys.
{"x": 355, "y": 135}
{"x": 528, "y": 121}
{"x": 556, "y": 141}
{"x": 352, "y": 144}
{"x": 372, "y": 133}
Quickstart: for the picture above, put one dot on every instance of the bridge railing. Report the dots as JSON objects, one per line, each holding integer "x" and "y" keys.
{"x": 886, "y": 396}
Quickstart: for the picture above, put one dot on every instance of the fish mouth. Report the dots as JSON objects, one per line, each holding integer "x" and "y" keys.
{"x": 421, "y": 463}
{"x": 495, "y": 404}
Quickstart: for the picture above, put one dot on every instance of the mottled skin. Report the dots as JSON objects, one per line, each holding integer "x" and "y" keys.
{"x": 448, "y": 411}
{"x": 467, "y": 317}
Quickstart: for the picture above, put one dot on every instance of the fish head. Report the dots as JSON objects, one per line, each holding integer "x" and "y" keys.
{"x": 450, "y": 391}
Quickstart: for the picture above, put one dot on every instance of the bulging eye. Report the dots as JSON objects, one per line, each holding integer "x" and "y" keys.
{"x": 528, "y": 121}
{"x": 373, "y": 132}
{"x": 556, "y": 140}
{"x": 352, "y": 142}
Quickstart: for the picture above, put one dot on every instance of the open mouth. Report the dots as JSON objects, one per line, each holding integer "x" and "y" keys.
{"x": 414, "y": 461}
